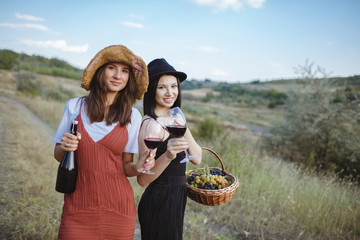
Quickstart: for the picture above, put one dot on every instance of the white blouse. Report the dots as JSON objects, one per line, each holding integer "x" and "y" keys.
{"x": 98, "y": 130}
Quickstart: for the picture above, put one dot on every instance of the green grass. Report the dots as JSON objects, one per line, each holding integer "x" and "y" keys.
{"x": 261, "y": 117}
{"x": 274, "y": 200}
{"x": 30, "y": 207}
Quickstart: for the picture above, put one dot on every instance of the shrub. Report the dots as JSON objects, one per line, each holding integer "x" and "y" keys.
{"x": 317, "y": 131}
{"x": 207, "y": 128}
{"x": 58, "y": 93}
{"x": 208, "y": 97}
{"x": 8, "y": 60}
{"x": 29, "y": 84}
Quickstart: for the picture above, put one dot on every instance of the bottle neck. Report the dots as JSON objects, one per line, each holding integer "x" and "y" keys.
{"x": 73, "y": 129}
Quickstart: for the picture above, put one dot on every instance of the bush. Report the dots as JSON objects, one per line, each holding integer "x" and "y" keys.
{"x": 317, "y": 131}
{"x": 29, "y": 84}
{"x": 208, "y": 97}
{"x": 207, "y": 128}
{"x": 58, "y": 93}
{"x": 8, "y": 60}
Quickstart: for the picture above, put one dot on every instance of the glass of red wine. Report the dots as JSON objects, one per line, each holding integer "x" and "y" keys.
{"x": 153, "y": 136}
{"x": 176, "y": 126}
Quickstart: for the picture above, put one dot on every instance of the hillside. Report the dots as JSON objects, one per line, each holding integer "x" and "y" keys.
{"x": 275, "y": 199}
{"x": 11, "y": 60}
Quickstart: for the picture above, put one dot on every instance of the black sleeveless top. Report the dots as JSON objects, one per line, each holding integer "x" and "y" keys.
{"x": 175, "y": 168}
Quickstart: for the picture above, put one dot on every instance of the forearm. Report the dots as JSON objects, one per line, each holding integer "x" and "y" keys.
{"x": 160, "y": 164}
{"x": 194, "y": 148}
{"x": 58, "y": 152}
{"x": 131, "y": 169}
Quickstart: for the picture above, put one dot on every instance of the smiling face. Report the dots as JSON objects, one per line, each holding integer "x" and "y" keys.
{"x": 116, "y": 76}
{"x": 167, "y": 92}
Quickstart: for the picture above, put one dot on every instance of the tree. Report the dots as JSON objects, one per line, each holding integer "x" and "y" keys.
{"x": 316, "y": 131}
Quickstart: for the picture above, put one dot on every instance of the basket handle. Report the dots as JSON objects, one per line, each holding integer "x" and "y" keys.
{"x": 221, "y": 162}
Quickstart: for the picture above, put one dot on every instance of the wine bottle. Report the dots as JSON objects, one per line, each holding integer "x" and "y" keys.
{"x": 67, "y": 171}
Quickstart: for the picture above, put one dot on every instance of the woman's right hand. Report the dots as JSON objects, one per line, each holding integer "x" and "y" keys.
{"x": 70, "y": 142}
{"x": 175, "y": 146}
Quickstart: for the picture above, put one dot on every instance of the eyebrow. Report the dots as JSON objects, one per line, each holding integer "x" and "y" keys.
{"x": 125, "y": 66}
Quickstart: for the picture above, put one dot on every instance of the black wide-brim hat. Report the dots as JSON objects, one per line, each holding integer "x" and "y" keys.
{"x": 160, "y": 66}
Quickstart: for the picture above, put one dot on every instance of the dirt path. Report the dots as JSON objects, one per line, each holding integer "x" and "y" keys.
{"x": 43, "y": 126}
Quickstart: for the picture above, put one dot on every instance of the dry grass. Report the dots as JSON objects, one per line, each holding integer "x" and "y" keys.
{"x": 30, "y": 207}
{"x": 200, "y": 93}
{"x": 275, "y": 200}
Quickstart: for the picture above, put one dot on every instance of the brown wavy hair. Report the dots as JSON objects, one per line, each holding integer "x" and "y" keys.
{"x": 120, "y": 110}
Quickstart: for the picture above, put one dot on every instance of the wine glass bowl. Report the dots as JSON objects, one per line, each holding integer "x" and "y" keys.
{"x": 176, "y": 126}
{"x": 153, "y": 136}
{"x": 152, "y": 143}
{"x": 176, "y": 130}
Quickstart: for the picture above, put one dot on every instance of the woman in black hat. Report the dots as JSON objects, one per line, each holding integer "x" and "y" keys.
{"x": 162, "y": 206}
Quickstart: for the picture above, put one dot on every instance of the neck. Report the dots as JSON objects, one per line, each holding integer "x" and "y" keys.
{"x": 161, "y": 111}
{"x": 110, "y": 99}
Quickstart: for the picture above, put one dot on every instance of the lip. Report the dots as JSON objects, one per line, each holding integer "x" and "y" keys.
{"x": 115, "y": 83}
{"x": 168, "y": 100}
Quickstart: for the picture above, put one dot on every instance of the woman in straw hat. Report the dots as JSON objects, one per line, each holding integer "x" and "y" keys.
{"x": 102, "y": 206}
{"x": 162, "y": 206}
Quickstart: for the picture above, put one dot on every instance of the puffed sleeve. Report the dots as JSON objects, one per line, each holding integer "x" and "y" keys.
{"x": 133, "y": 132}
{"x": 71, "y": 110}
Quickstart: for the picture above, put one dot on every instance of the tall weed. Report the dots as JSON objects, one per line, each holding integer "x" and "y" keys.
{"x": 275, "y": 200}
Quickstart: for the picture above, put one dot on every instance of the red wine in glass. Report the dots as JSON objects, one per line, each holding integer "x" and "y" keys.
{"x": 153, "y": 136}
{"x": 176, "y": 130}
{"x": 152, "y": 143}
{"x": 176, "y": 126}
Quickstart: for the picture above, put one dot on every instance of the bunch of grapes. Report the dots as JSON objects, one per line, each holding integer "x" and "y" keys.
{"x": 210, "y": 179}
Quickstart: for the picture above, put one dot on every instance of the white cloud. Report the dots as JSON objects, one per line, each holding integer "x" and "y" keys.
{"x": 219, "y": 73}
{"x": 235, "y": 5}
{"x": 28, "y": 17}
{"x": 255, "y": 3}
{"x": 208, "y": 49}
{"x": 132, "y": 24}
{"x": 131, "y": 15}
{"x": 25, "y": 25}
{"x": 58, "y": 44}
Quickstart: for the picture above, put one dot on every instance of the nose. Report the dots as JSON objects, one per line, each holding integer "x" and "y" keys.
{"x": 168, "y": 92}
{"x": 117, "y": 74}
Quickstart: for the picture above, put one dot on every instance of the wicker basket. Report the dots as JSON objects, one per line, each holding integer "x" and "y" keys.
{"x": 213, "y": 197}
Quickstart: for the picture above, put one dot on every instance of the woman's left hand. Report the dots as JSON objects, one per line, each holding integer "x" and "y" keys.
{"x": 146, "y": 160}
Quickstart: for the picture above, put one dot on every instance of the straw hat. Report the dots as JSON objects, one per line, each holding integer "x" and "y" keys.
{"x": 118, "y": 53}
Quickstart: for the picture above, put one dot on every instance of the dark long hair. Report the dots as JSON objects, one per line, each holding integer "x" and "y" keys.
{"x": 120, "y": 110}
{"x": 149, "y": 101}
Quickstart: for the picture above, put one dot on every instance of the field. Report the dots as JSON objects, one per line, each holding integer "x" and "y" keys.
{"x": 275, "y": 200}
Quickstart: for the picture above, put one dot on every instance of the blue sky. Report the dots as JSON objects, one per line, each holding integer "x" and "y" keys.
{"x": 222, "y": 40}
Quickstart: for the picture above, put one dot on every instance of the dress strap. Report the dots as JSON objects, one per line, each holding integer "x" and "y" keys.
{"x": 81, "y": 103}
{"x": 146, "y": 117}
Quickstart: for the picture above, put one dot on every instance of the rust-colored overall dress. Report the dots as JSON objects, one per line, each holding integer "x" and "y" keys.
{"x": 102, "y": 206}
